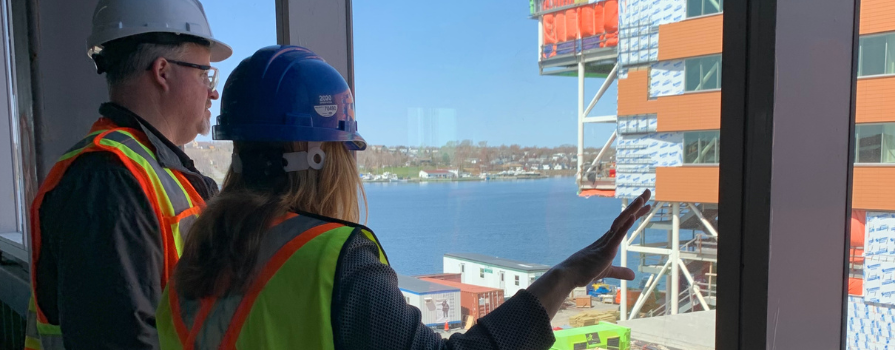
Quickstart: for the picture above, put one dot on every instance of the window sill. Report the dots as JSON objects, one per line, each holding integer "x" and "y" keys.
{"x": 875, "y": 165}
{"x": 10, "y": 246}
{"x": 700, "y": 91}
{"x": 876, "y": 76}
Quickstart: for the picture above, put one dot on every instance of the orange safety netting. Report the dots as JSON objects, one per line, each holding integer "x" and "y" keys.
{"x": 591, "y": 19}
{"x": 560, "y": 20}
{"x": 856, "y": 249}
{"x": 549, "y": 29}
{"x": 858, "y": 220}
{"x": 571, "y": 24}
{"x": 855, "y": 286}
{"x": 599, "y": 19}
{"x": 610, "y": 16}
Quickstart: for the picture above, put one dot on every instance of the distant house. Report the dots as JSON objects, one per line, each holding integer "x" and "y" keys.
{"x": 558, "y": 167}
{"x": 545, "y": 167}
{"x": 437, "y": 174}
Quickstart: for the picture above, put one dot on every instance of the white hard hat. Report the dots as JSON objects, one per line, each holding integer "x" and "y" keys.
{"x": 116, "y": 19}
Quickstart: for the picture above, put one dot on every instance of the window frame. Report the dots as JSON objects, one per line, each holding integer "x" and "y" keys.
{"x": 766, "y": 45}
{"x": 719, "y": 73}
{"x": 721, "y": 11}
{"x": 21, "y": 152}
{"x": 717, "y": 148}
{"x": 764, "y": 57}
{"x": 881, "y": 145}
{"x": 861, "y": 50}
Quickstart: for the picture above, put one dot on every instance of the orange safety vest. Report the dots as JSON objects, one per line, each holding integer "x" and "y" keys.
{"x": 174, "y": 200}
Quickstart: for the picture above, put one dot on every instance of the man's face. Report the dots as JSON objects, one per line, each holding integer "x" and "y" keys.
{"x": 190, "y": 96}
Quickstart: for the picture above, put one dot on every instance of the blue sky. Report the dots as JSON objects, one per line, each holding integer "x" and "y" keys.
{"x": 475, "y": 59}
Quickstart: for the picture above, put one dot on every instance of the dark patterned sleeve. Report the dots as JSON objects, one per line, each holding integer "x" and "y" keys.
{"x": 369, "y": 312}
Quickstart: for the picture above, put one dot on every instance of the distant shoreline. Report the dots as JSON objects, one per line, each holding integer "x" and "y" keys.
{"x": 468, "y": 179}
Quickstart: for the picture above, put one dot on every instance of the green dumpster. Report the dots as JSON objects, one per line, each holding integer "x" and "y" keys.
{"x": 604, "y": 335}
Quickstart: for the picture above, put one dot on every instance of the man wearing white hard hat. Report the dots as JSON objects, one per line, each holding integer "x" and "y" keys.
{"x": 107, "y": 224}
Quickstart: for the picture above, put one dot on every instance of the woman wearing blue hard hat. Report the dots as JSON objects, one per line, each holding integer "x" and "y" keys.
{"x": 279, "y": 261}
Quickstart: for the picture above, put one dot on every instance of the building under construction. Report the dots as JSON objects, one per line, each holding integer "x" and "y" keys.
{"x": 665, "y": 56}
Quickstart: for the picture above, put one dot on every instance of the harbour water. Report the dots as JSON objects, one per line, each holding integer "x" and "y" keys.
{"x": 540, "y": 221}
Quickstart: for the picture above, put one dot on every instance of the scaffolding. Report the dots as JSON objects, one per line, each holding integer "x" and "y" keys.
{"x": 676, "y": 257}
{"x": 673, "y": 258}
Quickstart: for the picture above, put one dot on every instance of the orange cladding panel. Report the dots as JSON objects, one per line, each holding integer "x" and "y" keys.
{"x": 633, "y": 94}
{"x": 693, "y": 184}
{"x": 873, "y": 188}
{"x": 690, "y": 111}
{"x": 876, "y": 100}
{"x": 877, "y": 16}
{"x": 691, "y": 38}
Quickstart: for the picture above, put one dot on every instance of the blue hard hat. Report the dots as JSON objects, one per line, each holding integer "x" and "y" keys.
{"x": 285, "y": 94}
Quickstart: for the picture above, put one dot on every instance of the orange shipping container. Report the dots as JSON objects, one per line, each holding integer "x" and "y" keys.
{"x": 475, "y": 301}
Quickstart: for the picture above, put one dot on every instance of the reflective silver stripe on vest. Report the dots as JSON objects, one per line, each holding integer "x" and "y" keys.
{"x": 179, "y": 201}
{"x": 212, "y": 332}
{"x": 34, "y": 340}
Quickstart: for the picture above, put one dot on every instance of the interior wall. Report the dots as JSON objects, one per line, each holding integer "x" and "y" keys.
{"x": 69, "y": 90}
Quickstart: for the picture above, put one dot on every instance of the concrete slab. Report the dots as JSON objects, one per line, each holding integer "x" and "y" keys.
{"x": 691, "y": 331}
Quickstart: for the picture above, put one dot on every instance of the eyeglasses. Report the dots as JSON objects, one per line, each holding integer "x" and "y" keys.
{"x": 210, "y": 74}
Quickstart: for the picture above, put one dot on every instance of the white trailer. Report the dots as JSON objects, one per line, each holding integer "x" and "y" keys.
{"x": 439, "y": 304}
{"x": 489, "y": 271}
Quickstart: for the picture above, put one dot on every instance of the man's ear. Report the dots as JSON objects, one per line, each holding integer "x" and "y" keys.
{"x": 160, "y": 72}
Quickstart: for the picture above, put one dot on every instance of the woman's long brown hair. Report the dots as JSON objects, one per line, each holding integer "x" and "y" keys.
{"x": 221, "y": 249}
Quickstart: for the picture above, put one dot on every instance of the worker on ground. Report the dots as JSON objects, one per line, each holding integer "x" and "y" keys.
{"x": 278, "y": 260}
{"x": 108, "y": 222}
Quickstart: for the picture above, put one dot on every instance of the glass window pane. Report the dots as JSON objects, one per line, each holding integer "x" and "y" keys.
{"x": 425, "y": 223}
{"x": 887, "y": 149}
{"x": 872, "y": 55}
{"x": 693, "y": 70}
{"x": 890, "y": 53}
{"x": 869, "y": 143}
{"x": 15, "y": 174}
{"x": 697, "y": 8}
{"x": 713, "y": 6}
{"x": 701, "y": 147}
{"x": 703, "y": 73}
{"x": 694, "y": 8}
{"x": 246, "y": 29}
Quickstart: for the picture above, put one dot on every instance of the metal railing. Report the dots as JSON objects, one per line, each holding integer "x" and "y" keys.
{"x": 700, "y": 242}
{"x": 686, "y": 301}
{"x": 542, "y": 7}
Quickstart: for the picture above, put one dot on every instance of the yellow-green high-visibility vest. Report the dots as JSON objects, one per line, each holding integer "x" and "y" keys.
{"x": 287, "y": 305}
